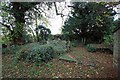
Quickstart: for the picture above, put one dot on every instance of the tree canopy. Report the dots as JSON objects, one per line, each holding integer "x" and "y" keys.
{"x": 16, "y": 15}
{"x": 89, "y": 20}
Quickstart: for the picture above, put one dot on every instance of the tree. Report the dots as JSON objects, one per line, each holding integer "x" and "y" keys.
{"x": 89, "y": 19}
{"x": 16, "y": 11}
{"x": 108, "y": 37}
{"x": 14, "y": 18}
{"x": 43, "y": 33}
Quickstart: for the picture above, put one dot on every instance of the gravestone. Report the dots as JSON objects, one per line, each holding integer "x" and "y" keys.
{"x": 116, "y": 50}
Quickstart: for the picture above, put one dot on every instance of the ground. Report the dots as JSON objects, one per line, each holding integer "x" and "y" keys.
{"x": 91, "y": 65}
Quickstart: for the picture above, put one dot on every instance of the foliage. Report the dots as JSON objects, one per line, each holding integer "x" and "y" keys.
{"x": 43, "y": 33}
{"x": 39, "y": 19}
{"x": 6, "y": 38}
{"x": 28, "y": 38}
{"x": 11, "y": 38}
{"x": 58, "y": 68}
{"x": 58, "y": 46}
{"x": 35, "y": 52}
{"x": 38, "y": 54}
{"x": 108, "y": 39}
{"x": 89, "y": 19}
{"x": 14, "y": 16}
{"x": 90, "y": 48}
{"x": 11, "y": 49}
{"x": 75, "y": 43}
{"x": 108, "y": 36}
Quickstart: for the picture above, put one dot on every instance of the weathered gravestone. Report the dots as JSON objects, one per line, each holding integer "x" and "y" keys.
{"x": 116, "y": 50}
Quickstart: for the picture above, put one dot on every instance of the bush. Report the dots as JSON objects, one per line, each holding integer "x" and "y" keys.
{"x": 75, "y": 43}
{"x": 90, "y": 48}
{"x": 58, "y": 46}
{"x": 108, "y": 40}
{"x": 41, "y": 53}
{"x": 10, "y": 50}
{"x": 35, "y": 52}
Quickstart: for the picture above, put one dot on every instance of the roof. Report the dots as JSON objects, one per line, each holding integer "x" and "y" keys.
{"x": 116, "y": 29}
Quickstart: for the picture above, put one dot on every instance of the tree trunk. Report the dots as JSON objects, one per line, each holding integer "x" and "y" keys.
{"x": 18, "y": 12}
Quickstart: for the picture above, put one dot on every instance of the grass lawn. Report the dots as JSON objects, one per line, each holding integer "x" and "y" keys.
{"x": 83, "y": 64}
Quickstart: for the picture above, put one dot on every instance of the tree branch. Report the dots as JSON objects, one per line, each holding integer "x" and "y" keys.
{"x": 57, "y": 10}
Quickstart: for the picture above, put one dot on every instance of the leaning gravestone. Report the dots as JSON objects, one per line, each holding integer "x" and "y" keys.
{"x": 116, "y": 50}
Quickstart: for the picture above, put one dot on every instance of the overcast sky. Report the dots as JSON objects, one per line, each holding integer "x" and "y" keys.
{"x": 56, "y": 21}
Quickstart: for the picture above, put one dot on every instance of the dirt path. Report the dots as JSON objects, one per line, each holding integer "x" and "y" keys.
{"x": 98, "y": 60}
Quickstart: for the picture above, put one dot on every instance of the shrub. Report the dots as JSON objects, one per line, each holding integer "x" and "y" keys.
{"x": 35, "y": 52}
{"x": 75, "y": 43}
{"x": 90, "y": 48}
{"x": 58, "y": 46}
{"x": 10, "y": 50}
{"x": 108, "y": 39}
{"x": 40, "y": 53}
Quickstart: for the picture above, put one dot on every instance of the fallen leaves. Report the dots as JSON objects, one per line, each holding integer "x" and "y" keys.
{"x": 53, "y": 74}
{"x": 98, "y": 67}
{"x": 88, "y": 76}
{"x": 97, "y": 72}
{"x": 67, "y": 65}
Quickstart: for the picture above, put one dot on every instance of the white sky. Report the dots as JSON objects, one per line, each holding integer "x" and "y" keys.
{"x": 56, "y": 25}
{"x": 56, "y": 20}
{"x": 118, "y": 11}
